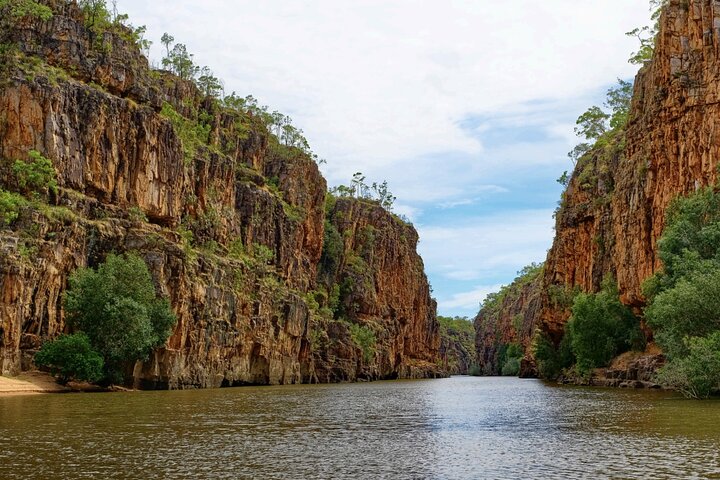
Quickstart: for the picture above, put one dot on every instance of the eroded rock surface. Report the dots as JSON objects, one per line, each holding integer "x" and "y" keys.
{"x": 232, "y": 228}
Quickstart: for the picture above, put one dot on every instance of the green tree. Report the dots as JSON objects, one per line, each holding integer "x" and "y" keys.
{"x": 167, "y": 40}
{"x": 618, "y": 101}
{"x": 24, "y": 9}
{"x": 647, "y": 35}
{"x": 690, "y": 242}
{"x": 116, "y": 306}
{"x": 96, "y": 14}
{"x": 685, "y": 295}
{"x": 180, "y": 62}
{"x": 601, "y": 327}
{"x": 509, "y": 361}
{"x": 332, "y": 251}
{"x": 383, "y": 195}
{"x": 691, "y": 308}
{"x": 364, "y": 338}
{"x": 697, "y": 374}
{"x": 592, "y": 124}
{"x": 551, "y": 360}
{"x": 209, "y": 84}
{"x": 71, "y": 357}
{"x": 36, "y": 175}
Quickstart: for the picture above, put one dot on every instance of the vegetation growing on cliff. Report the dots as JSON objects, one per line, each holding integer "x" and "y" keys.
{"x": 285, "y": 139}
{"x": 684, "y": 297}
{"x": 647, "y": 35}
{"x": 220, "y": 193}
{"x": 600, "y": 328}
{"x": 117, "y": 308}
{"x": 364, "y": 337}
{"x": 457, "y": 344}
{"x": 14, "y": 9}
{"x": 35, "y": 178}
{"x": 501, "y": 323}
{"x": 376, "y": 192}
{"x": 550, "y": 359}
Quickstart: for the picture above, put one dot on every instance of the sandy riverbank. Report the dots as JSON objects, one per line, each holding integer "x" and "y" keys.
{"x": 30, "y": 383}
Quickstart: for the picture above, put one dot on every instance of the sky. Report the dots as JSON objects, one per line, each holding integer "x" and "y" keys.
{"x": 466, "y": 108}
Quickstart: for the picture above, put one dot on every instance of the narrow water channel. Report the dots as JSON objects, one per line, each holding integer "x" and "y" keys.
{"x": 461, "y": 427}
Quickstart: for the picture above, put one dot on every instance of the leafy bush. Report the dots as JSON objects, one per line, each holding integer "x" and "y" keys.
{"x": 364, "y": 338}
{"x": 332, "y": 250}
{"x": 551, "y": 359}
{"x": 475, "y": 370}
{"x": 192, "y": 134}
{"x": 10, "y": 204}
{"x": 511, "y": 367}
{"x": 117, "y": 308}
{"x": 136, "y": 214}
{"x": 697, "y": 374}
{"x": 263, "y": 254}
{"x": 71, "y": 357}
{"x": 36, "y": 175}
{"x": 689, "y": 309}
{"x": 507, "y": 358}
{"x": 690, "y": 242}
{"x": 25, "y": 9}
{"x": 601, "y": 327}
{"x": 685, "y": 295}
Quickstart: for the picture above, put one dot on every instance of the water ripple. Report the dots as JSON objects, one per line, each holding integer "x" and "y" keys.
{"x": 453, "y": 428}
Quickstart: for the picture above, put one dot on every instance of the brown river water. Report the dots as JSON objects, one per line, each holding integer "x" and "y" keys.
{"x": 460, "y": 427}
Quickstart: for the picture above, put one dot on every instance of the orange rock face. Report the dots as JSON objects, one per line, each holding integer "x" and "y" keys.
{"x": 231, "y": 229}
{"x": 510, "y": 321}
{"x": 613, "y": 210}
{"x": 383, "y": 287}
{"x": 611, "y": 226}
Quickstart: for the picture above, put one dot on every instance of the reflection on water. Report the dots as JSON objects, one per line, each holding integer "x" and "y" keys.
{"x": 459, "y": 427}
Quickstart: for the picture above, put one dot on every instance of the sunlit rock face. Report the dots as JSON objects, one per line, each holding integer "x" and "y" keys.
{"x": 232, "y": 230}
{"x": 613, "y": 210}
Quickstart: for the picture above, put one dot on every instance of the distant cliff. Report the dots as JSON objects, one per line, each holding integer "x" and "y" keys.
{"x": 507, "y": 320}
{"x": 230, "y": 222}
{"x": 457, "y": 346}
{"x": 613, "y": 210}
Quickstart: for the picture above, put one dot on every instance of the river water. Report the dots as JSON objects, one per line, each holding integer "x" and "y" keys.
{"x": 460, "y": 427}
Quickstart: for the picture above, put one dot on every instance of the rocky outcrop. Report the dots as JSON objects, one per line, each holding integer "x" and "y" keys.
{"x": 629, "y": 370}
{"x": 615, "y": 205}
{"x": 230, "y": 222}
{"x": 508, "y": 318}
{"x": 382, "y": 288}
{"x": 457, "y": 346}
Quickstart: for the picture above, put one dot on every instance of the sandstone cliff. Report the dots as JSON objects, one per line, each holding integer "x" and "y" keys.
{"x": 508, "y": 318}
{"x": 457, "y": 346}
{"x": 613, "y": 210}
{"x": 380, "y": 285}
{"x": 230, "y": 222}
{"x": 668, "y": 151}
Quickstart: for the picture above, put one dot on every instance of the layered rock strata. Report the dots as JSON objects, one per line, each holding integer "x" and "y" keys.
{"x": 230, "y": 222}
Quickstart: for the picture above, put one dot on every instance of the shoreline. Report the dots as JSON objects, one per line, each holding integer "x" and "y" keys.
{"x": 30, "y": 383}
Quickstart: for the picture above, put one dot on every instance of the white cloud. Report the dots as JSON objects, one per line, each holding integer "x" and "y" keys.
{"x": 485, "y": 246}
{"x": 416, "y": 93}
{"x": 376, "y": 82}
{"x": 408, "y": 211}
{"x": 468, "y": 300}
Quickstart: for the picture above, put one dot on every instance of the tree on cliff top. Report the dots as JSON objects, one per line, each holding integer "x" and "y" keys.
{"x": 116, "y": 306}
{"x": 647, "y": 35}
{"x": 14, "y": 9}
